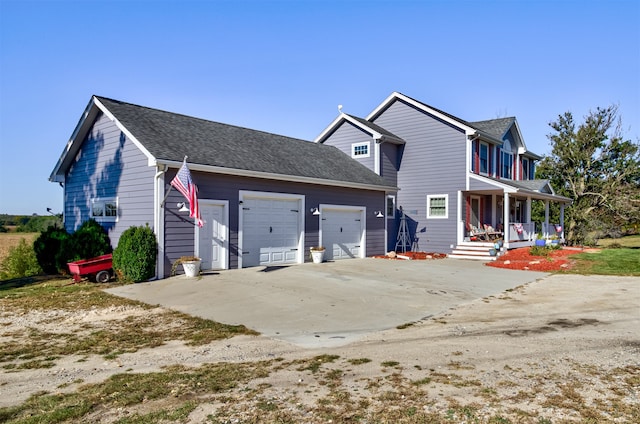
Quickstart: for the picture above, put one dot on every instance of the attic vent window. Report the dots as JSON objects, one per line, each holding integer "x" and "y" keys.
{"x": 360, "y": 150}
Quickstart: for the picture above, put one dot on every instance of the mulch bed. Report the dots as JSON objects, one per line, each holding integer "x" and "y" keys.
{"x": 414, "y": 255}
{"x": 521, "y": 259}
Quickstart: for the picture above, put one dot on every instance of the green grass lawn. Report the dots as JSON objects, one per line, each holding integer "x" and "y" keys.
{"x": 618, "y": 256}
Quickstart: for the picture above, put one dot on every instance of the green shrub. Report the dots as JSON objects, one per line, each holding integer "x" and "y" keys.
{"x": 47, "y": 249}
{"x": 21, "y": 262}
{"x": 539, "y": 251}
{"x": 134, "y": 259}
{"x": 89, "y": 241}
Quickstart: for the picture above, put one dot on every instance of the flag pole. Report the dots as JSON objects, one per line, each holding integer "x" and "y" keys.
{"x": 170, "y": 186}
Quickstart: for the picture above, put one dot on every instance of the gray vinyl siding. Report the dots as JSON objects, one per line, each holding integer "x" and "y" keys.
{"x": 346, "y": 135}
{"x": 109, "y": 165}
{"x": 433, "y": 162}
{"x": 389, "y": 163}
{"x": 180, "y": 231}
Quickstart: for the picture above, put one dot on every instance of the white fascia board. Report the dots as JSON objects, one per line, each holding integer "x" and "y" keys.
{"x": 278, "y": 177}
{"x": 331, "y": 127}
{"x": 505, "y": 187}
{"x": 395, "y": 95}
{"x": 151, "y": 160}
{"x": 376, "y": 135}
{"x": 72, "y": 145}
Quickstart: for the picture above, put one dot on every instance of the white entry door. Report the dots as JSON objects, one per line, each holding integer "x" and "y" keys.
{"x": 270, "y": 231}
{"x": 212, "y": 236}
{"x": 342, "y": 233}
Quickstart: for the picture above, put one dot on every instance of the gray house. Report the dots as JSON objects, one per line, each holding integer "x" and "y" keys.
{"x": 265, "y": 198}
{"x": 461, "y": 183}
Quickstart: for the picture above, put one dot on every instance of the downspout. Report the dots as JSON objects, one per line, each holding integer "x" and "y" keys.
{"x": 376, "y": 153}
{"x": 158, "y": 217}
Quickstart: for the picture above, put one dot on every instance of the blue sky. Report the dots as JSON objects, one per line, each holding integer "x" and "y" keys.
{"x": 284, "y": 66}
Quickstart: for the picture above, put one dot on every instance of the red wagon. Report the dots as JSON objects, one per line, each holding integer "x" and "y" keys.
{"x": 96, "y": 269}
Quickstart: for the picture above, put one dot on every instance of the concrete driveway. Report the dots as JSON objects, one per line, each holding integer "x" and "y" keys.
{"x": 329, "y": 304}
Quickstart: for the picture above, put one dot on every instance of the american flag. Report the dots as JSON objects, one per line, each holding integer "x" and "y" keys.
{"x": 184, "y": 184}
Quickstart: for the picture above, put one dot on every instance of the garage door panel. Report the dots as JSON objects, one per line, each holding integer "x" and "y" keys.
{"x": 271, "y": 230}
{"x": 342, "y": 233}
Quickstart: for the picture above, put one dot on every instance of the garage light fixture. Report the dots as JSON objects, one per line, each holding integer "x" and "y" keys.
{"x": 315, "y": 211}
{"x": 182, "y": 207}
{"x": 378, "y": 214}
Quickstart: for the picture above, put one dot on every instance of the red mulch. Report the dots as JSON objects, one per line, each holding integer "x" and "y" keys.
{"x": 416, "y": 255}
{"x": 521, "y": 259}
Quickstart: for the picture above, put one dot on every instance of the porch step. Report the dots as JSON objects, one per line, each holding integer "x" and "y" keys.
{"x": 478, "y": 251}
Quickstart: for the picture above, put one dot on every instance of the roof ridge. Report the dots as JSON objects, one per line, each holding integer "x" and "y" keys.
{"x": 196, "y": 117}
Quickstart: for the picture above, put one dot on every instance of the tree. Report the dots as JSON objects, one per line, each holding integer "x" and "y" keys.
{"x": 598, "y": 169}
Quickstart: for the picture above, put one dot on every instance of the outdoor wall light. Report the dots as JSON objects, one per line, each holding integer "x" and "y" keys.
{"x": 378, "y": 214}
{"x": 182, "y": 207}
{"x": 314, "y": 211}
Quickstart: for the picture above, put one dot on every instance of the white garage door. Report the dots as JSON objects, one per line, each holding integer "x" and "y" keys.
{"x": 270, "y": 231}
{"x": 342, "y": 233}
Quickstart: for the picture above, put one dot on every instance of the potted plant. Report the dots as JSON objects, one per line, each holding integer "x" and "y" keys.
{"x": 190, "y": 265}
{"x": 540, "y": 241}
{"x": 317, "y": 254}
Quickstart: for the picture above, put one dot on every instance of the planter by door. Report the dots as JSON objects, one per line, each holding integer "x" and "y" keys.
{"x": 191, "y": 268}
{"x": 317, "y": 255}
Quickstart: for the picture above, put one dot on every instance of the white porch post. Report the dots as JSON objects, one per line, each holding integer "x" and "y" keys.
{"x": 494, "y": 206}
{"x": 460, "y": 229}
{"x": 505, "y": 220}
{"x": 546, "y": 219}
{"x": 562, "y": 221}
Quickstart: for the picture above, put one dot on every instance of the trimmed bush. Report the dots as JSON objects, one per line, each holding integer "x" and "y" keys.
{"x": 134, "y": 259}
{"x": 89, "y": 241}
{"x": 47, "y": 249}
{"x": 21, "y": 262}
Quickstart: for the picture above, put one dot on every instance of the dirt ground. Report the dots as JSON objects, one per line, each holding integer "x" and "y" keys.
{"x": 565, "y": 348}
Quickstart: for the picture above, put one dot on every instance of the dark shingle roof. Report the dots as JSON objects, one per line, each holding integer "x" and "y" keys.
{"x": 375, "y": 127}
{"x": 169, "y": 136}
{"x": 494, "y": 127}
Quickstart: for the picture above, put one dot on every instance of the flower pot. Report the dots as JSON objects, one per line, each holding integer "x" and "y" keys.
{"x": 191, "y": 268}
{"x": 540, "y": 243}
{"x": 492, "y": 252}
{"x": 317, "y": 256}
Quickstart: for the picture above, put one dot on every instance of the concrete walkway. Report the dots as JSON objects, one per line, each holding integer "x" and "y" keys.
{"x": 329, "y": 304}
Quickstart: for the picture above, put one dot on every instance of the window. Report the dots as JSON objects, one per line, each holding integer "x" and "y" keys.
{"x": 360, "y": 150}
{"x": 391, "y": 206}
{"x": 437, "y": 206}
{"x": 525, "y": 169}
{"x": 104, "y": 209}
{"x": 507, "y": 164}
{"x": 484, "y": 158}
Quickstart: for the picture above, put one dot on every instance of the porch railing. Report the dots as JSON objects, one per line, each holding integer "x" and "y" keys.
{"x": 551, "y": 230}
{"x": 522, "y": 231}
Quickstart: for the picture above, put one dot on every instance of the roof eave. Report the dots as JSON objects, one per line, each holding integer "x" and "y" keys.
{"x": 278, "y": 177}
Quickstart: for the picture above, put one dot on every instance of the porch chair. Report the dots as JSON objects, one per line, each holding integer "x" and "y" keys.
{"x": 491, "y": 232}
{"x": 476, "y": 233}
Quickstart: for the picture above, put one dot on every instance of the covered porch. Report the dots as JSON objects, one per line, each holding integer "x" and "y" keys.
{"x": 492, "y": 210}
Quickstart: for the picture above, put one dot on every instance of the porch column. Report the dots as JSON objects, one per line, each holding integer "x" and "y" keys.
{"x": 494, "y": 206}
{"x": 505, "y": 220}
{"x": 562, "y": 221}
{"x": 460, "y": 229}
{"x": 546, "y": 219}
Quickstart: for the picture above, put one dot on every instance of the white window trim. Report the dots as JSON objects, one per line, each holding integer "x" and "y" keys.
{"x": 480, "y": 159}
{"x": 102, "y": 201}
{"x": 502, "y": 162}
{"x": 446, "y": 206}
{"x": 393, "y": 212}
{"x": 525, "y": 172}
{"x": 357, "y": 156}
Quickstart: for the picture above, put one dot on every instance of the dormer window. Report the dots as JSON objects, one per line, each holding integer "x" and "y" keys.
{"x": 360, "y": 150}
